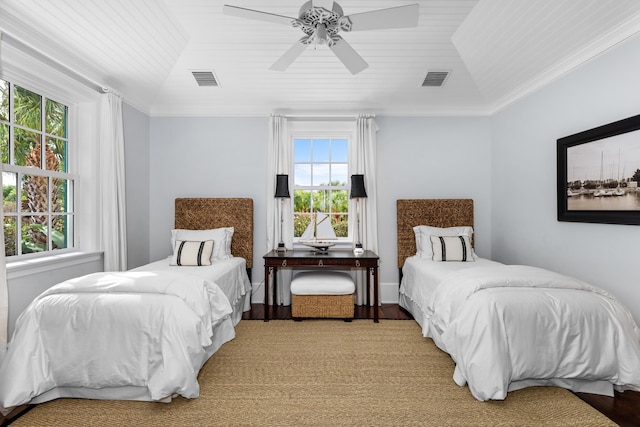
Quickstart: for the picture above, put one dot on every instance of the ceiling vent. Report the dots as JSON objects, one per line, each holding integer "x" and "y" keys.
{"x": 205, "y": 78}
{"x": 435, "y": 78}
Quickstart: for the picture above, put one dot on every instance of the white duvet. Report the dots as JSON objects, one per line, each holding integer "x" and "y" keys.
{"x": 508, "y": 327}
{"x": 116, "y": 330}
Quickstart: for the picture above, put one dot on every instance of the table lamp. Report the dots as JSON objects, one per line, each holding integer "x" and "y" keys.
{"x": 357, "y": 192}
{"x": 282, "y": 192}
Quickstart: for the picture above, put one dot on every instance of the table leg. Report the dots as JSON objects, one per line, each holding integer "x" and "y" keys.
{"x": 368, "y": 286}
{"x": 274, "y": 294}
{"x": 266, "y": 293}
{"x": 375, "y": 294}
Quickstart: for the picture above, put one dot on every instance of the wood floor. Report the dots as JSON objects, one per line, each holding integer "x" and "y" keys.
{"x": 623, "y": 408}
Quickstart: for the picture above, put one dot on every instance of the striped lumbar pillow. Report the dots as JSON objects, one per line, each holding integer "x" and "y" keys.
{"x": 451, "y": 248}
{"x": 192, "y": 253}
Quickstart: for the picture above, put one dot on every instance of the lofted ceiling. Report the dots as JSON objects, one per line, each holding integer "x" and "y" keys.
{"x": 494, "y": 51}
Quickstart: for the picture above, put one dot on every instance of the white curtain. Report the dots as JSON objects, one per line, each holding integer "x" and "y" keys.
{"x": 279, "y": 162}
{"x": 4, "y": 293}
{"x": 112, "y": 183}
{"x": 363, "y": 161}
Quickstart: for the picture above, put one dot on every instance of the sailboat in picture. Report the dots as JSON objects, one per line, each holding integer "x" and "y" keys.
{"x": 602, "y": 191}
{"x": 319, "y": 233}
{"x": 619, "y": 191}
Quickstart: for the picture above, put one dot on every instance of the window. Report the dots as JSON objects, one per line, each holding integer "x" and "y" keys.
{"x": 320, "y": 184}
{"x": 36, "y": 184}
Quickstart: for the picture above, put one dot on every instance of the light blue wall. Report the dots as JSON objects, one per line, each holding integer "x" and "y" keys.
{"x": 226, "y": 157}
{"x": 136, "y": 136}
{"x": 431, "y": 158}
{"x": 206, "y": 157}
{"x": 525, "y": 229}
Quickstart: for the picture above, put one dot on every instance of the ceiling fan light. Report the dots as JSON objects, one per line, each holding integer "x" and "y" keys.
{"x": 321, "y": 34}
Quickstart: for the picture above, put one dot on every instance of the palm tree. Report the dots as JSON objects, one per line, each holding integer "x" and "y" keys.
{"x": 35, "y": 199}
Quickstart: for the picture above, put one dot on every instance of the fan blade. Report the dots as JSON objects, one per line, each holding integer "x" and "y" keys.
{"x": 256, "y": 14}
{"x": 289, "y": 56}
{"x": 394, "y": 17}
{"x": 349, "y": 56}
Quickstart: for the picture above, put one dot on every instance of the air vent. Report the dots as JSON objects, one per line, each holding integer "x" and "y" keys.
{"x": 435, "y": 78}
{"x": 205, "y": 78}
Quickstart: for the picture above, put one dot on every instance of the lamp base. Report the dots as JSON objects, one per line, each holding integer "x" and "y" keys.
{"x": 281, "y": 248}
{"x": 358, "y": 249}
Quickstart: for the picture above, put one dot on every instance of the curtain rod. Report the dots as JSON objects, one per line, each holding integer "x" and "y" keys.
{"x": 25, "y": 48}
{"x": 311, "y": 117}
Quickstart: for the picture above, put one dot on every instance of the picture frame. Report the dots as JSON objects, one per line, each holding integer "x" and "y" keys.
{"x": 598, "y": 173}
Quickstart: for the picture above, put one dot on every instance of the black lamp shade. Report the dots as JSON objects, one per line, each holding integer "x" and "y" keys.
{"x": 357, "y": 187}
{"x": 282, "y": 186}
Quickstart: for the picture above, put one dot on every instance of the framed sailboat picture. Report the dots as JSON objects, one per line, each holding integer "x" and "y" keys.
{"x": 599, "y": 174}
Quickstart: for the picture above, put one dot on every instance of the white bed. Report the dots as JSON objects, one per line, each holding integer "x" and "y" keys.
{"x": 143, "y": 334}
{"x": 230, "y": 275}
{"x": 509, "y": 327}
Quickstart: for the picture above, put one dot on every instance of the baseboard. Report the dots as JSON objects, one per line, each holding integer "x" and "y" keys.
{"x": 388, "y": 293}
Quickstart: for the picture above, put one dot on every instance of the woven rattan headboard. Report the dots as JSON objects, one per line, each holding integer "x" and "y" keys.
{"x": 433, "y": 212}
{"x": 205, "y": 213}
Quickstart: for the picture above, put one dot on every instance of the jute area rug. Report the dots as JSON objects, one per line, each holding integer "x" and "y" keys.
{"x": 328, "y": 373}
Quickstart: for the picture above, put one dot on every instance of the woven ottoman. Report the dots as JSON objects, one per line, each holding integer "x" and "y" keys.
{"x": 322, "y": 294}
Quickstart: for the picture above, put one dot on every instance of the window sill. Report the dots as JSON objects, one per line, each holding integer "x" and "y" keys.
{"x": 28, "y": 267}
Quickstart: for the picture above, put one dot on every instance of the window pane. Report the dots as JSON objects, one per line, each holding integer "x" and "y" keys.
{"x": 340, "y": 223}
{"x": 34, "y": 193}
{"x": 320, "y": 174}
{"x": 56, "y": 155}
{"x": 321, "y": 150}
{"x": 339, "y": 201}
{"x": 34, "y": 234}
{"x": 302, "y": 150}
{"x": 4, "y": 143}
{"x": 320, "y": 201}
{"x": 4, "y": 100}
{"x": 59, "y": 235}
{"x": 302, "y": 175}
{"x": 339, "y": 173}
{"x": 339, "y": 150}
{"x": 10, "y": 235}
{"x": 56, "y": 116}
{"x": 9, "y": 191}
{"x": 300, "y": 223}
{"x": 302, "y": 201}
{"x": 27, "y": 146}
{"x": 60, "y": 192}
{"x": 27, "y": 108}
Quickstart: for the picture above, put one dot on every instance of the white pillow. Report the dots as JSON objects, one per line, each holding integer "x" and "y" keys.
{"x": 221, "y": 240}
{"x": 452, "y": 248}
{"x": 423, "y": 237}
{"x": 192, "y": 253}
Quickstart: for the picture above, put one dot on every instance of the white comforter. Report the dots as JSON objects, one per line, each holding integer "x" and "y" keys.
{"x": 149, "y": 330}
{"x": 506, "y": 325}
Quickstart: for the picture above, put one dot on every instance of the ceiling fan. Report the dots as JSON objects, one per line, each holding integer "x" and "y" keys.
{"x": 322, "y": 25}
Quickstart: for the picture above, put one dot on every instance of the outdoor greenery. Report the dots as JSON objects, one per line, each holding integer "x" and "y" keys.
{"x": 307, "y": 203}
{"x": 25, "y": 142}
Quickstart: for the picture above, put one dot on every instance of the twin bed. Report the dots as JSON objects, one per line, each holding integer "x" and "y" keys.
{"x": 506, "y": 326}
{"x": 143, "y": 334}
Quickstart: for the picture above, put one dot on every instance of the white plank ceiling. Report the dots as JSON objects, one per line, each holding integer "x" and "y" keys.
{"x": 496, "y": 51}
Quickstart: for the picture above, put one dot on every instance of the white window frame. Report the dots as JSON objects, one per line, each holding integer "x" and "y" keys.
{"x": 324, "y": 129}
{"x": 24, "y": 170}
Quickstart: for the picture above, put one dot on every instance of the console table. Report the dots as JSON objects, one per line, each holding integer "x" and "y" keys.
{"x": 334, "y": 259}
